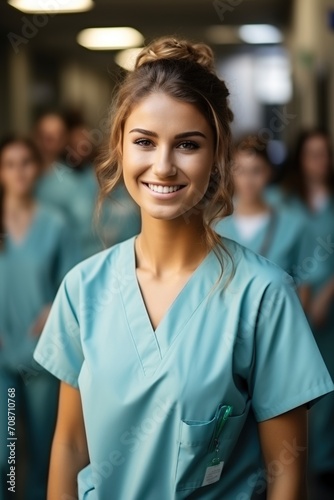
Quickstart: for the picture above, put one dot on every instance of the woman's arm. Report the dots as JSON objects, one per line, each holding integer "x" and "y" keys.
{"x": 284, "y": 447}
{"x": 304, "y": 292}
{"x": 321, "y": 304}
{"x": 41, "y": 320}
{"x": 69, "y": 452}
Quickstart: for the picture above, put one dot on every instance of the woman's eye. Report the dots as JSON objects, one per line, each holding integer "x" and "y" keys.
{"x": 143, "y": 142}
{"x": 188, "y": 145}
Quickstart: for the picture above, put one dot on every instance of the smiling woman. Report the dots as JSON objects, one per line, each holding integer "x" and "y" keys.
{"x": 180, "y": 368}
{"x": 153, "y": 89}
{"x": 169, "y": 165}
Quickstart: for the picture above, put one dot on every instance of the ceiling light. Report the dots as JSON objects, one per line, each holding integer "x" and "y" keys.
{"x": 109, "y": 38}
{"x": 272, "y": 79}
{"x": 126, "y": 59}
{"x": 260, "y": 33}
{"x": 222, "y": 34}
{"x": 47, "y": 6}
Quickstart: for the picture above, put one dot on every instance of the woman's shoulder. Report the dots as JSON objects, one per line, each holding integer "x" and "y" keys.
{"x": 97, "y": 266}
{"x": 51, "y": 215}
{"x": 253, "y": 271}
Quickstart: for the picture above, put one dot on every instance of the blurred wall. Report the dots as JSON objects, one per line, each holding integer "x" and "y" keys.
{"x": 20, "y": 79}
{"x": 33, "y": 79}
{"x": 311, "y": 42}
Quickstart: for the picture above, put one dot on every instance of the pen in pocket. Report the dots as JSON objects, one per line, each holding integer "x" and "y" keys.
{"x": 224, "y": 412}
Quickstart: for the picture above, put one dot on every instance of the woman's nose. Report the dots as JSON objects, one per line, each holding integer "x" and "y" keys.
{"x": 163, "y": 165}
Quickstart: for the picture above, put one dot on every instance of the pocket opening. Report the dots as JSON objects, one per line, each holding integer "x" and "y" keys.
{"x": 194, "y": 453}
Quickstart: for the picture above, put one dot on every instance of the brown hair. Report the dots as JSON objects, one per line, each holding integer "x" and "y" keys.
{"x": 294, "y": 182}
{"x": 184, "y": 71}
{"x": 7, "y": 142}
{"x": 253, "y": 145}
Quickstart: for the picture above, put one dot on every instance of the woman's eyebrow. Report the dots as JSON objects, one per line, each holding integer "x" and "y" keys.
{"x": 192, "y": 133}
{"x": 144, "y": 132}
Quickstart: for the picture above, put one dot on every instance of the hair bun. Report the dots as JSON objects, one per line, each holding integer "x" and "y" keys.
{"x": 174, "y": 48}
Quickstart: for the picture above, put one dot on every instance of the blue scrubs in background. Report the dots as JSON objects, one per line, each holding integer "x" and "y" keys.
{"x": 75, "y": 192}
{"x": 284, "y": 238}
{"x": 153, "y": 399}
{"x": 31, "y": 271}
{"x": 320, "y": 268}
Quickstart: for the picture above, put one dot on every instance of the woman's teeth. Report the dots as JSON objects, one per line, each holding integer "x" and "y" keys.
{"x": 163, "y": 189}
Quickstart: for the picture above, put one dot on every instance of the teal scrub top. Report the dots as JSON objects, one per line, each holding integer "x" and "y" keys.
{"x": 284, "y": 239}
{"x": 31, "y": 271}
{"x": 275, "y": 196}
{"x": 322, "y": 245}
{"x": 318, "y": 268}
{"x": 152, "y": 399}
{"x": 75, "y": 192}
{"x": 120, "y": 217}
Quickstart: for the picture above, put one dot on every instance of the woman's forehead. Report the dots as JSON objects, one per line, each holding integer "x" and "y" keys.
{"x": 163, "y": 112}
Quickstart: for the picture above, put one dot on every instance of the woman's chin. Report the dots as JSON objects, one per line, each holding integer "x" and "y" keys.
{"x": 164, "y": 213}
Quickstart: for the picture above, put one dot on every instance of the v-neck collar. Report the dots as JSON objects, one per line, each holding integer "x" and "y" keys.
{"x": 152, "y": 345}
{"x": 256, "y": 240}
{"x": 28, "y": 232}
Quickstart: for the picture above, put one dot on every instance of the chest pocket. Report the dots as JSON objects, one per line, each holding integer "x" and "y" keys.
{"x": 196, "y": 452}
{"x": 86, "y": 488}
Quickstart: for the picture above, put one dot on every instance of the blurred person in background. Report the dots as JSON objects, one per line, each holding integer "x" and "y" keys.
{"x": 54, "y": 186}
{"x": 51, "y": 136}
{"x": 311, "y": 182}
{"x": 72, "y": 186}
{"x": 279, "y": 234}
{"x": 36, "y": 252}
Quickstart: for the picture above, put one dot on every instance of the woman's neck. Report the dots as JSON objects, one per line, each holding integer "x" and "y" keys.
{"x": 317, "y": 195}
{"x": 251, "y": 208}
{"x": 316, "y": 186}
{"x": 166, "y": 247}
{"x": 14, "y": 204}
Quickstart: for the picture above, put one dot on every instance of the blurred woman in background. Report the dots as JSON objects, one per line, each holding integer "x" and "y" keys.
{"x": 36, "y": 252}
{"x": 71, "y": 186}
{"x": 311, "y": 182}
{"x": 279, "y": 234}
{"x": 51, "y": 136}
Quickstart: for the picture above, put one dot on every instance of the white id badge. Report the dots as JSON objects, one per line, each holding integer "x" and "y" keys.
{"x": 212, "y": 474}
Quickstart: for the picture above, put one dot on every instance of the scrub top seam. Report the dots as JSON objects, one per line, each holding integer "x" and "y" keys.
{"x": 293, "y": 403}
{"x": 145, "y": 311}
{"x": 56, "y": 372}
{"x": 177, "y": 336}
{"x": 25, "y": 242}
{"x": 130, "y": 331}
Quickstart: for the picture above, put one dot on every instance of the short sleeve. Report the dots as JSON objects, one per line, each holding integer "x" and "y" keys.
{"x": 288, "y": 369}
{"x": 59, "y": 348}
{"x": 69, "y": 253}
